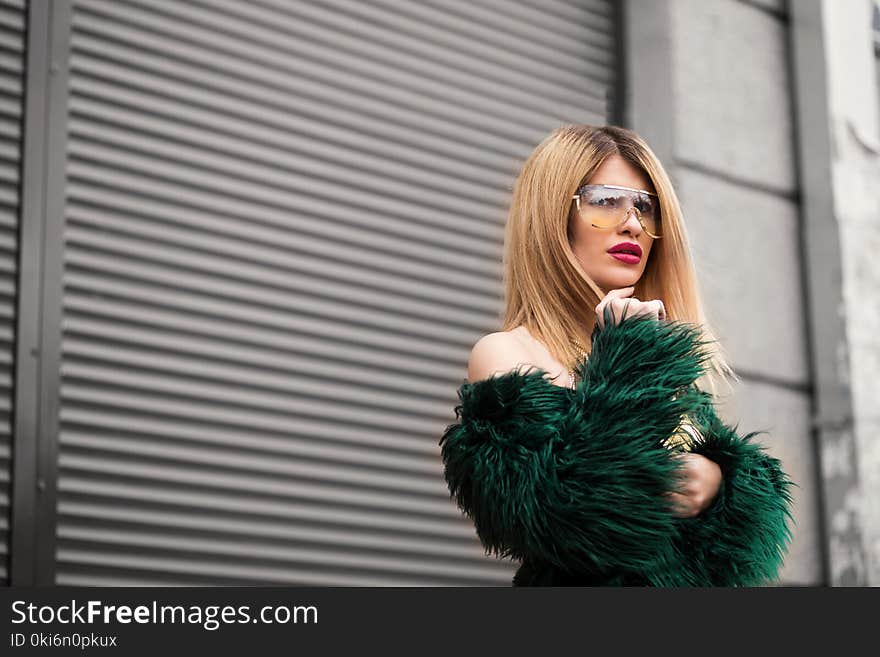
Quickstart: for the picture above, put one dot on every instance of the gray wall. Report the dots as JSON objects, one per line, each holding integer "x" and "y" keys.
{"x": 854, "y": 126}
{"x": 723, "y": 119}
{"x": 736, "y": 171}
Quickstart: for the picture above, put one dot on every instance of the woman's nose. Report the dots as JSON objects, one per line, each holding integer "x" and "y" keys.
{"x": 632, "y": 223}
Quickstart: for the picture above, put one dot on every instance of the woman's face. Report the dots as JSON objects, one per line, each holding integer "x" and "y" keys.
{"x": 591, "y": 245}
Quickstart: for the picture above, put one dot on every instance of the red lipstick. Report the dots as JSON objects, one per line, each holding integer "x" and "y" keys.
{"x": 628, "y": 252}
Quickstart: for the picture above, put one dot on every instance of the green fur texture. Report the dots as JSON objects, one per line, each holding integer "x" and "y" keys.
{"x": 572, "y": 483}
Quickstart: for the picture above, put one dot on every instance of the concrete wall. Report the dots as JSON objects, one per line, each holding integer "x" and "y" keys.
{"x": 726, "y": 134}
{"x": 735, "y": 168}
{"x": 854, "y": 123}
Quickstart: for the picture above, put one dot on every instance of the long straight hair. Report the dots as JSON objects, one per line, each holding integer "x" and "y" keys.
{"x": 546, "y": 288}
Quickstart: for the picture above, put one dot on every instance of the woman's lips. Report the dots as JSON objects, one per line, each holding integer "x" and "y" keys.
{"x": 628, "y": 258}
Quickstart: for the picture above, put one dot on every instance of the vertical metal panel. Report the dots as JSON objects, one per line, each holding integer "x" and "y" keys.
{"x": 38, "y": 309}
{"x": 284, "y": 229}
{"x": 647, "y": 105}
{"x": 12, "y": 33}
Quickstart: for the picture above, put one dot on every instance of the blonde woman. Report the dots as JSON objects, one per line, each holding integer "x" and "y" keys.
{"x": 587, "y": 445}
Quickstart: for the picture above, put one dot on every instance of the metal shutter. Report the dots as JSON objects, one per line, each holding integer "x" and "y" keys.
{"x": 284, "y": 230}
{"x": 12, "y": 21}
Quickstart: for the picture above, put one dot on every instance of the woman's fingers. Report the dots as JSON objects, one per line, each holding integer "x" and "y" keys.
{"x": 682, "y": 506}
{"x": 623, "y": 304}
{"x": 698, "y": 487}
{"x": 655, "y": 309}
{"x": 608, "y": 298}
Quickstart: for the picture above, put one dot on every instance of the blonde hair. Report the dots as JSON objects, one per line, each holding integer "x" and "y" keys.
{"x": 546, "y": 288}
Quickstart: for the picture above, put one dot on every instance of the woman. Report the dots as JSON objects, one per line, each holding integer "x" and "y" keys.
{"x": 606, "y": 464}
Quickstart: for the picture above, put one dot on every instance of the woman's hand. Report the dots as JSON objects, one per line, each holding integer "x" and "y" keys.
{"x": 701, "y": 477}
{"x": 701, "y": 481}
{"x": 620, "y": 305}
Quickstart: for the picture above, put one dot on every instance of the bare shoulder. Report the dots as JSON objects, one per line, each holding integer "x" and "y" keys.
{"x": 497, "y": 353}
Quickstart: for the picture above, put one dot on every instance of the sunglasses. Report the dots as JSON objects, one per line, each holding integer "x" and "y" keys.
{"x": 609, "y": 206}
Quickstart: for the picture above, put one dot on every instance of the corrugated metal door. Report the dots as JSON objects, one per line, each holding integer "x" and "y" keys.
{"x": 12, "y": 29}
{"x": 284, "y": 230}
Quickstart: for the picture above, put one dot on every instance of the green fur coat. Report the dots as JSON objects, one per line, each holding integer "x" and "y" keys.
{"x": 572, "y": 483}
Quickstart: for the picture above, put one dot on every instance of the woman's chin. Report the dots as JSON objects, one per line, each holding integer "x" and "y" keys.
{"x": 617, "y": 282}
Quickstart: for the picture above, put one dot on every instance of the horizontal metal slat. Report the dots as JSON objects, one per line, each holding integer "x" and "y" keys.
{"x": 558, "y": 47}
{"x": 249, "y": 142}
{"x": 212, "y": 460}
{"x": 423, "y": 34}
{"x": 302, "y": 253}
{"x": 9, "y": 236}
{"x": 9, "y": 196}
{"x": 7, "y": 287}
{"x": 344, "y": 350}
{"x": 185, "y": 478}
{"x": 92, "y": 358}
{"x": 275, "y": 393}
{"x": 583, "y": 47}
{"x": 97, "y": 79}
{"x": 11, "y": 41}
{"x": 344, "y": 345}
{"x": 9, "y": 169}
{"x": 117, "y": 277}
{"x": 489, "y": 128}
{"x": 101, "y": 490}
{"x": 328, "y": 38}
{"x": 296, "y": 211}
{"x": 11, "y": 86}
{"x": 72, "y": 574}
{"x": 10, "y": 19}
{"x": 309, "y": 137}
{"x": 243, "y": 552}
{"x": 318, "y": 259}
{"x": 138, "y": 564}
{"x": 100, "y": 252}
{"x": 109, "y": 342}
{"x": 291, "y": 444}
{"x": 10, "y": 108}
{"x": 298, "y": 417}
{"x": 10, "y": 130}
{"x": 279, "y": 532}
{"x": 576, "y": 11}
{"x": 373, "y": 210}
{"x": 361, "y": 190}
{"x": 11, "y": 64}
{"x": 8, "y": 219}
{"x": 133, "y": 198}
{"x": 8, "y": 271}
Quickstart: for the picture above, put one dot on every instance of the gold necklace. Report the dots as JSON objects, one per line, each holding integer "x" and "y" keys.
{"x": 583, "y": 352}
{"x": 579, "y": 346}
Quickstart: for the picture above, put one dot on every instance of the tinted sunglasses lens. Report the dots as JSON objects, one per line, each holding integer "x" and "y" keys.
{"x": 606, "y": 207}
